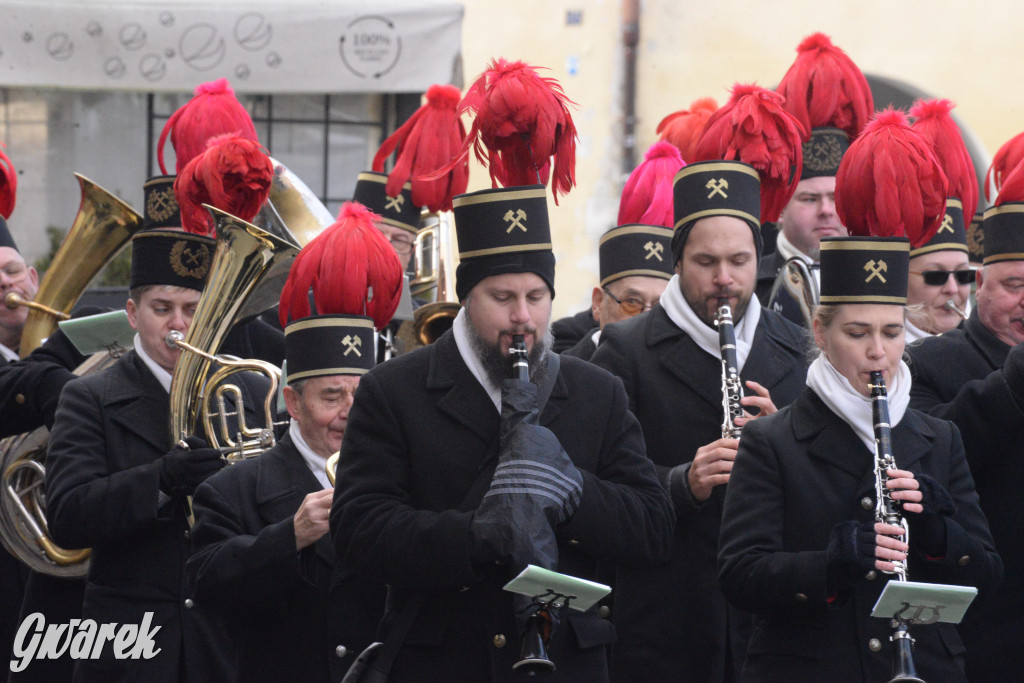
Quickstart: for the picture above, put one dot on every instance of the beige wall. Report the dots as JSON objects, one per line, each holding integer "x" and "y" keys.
{"x": 690, "y": 49}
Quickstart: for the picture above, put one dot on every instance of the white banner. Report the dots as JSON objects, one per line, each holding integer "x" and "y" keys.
{"x": 267, "y": 47}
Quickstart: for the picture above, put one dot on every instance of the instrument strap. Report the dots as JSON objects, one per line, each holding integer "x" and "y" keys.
{"x": 380, "y": 668}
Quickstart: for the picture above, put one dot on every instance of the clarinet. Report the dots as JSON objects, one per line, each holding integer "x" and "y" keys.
{"x": 732, "y": 388}
{"x": 533, "y": 656}
{"x": 887, "y": 511}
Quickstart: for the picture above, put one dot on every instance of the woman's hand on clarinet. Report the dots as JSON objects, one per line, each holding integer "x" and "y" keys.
{"x": 889, "y": 546}
{"x": 905, "y": 488}
{"x": 762, "y": 401}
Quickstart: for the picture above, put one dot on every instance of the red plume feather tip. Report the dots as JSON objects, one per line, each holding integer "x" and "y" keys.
{"x": 684, "y": 127}
{"x": 933, "y": 121}
{"x": 890, "y": 184}
{"x": 521, "y": 126}
{"x": 233, "y": 175}
{"x": 1012, "y": 187}
{"x": 8, "y": 184}
{"x": 647, "y": 195}
{"x": 213, "y": 110}
{"x": 351, "y": 269}
{"x": 1005, "y": 161}
{"x": 754, "y": 128}
{"x": 824, "y": 88}
{"x": 431, "y": 138}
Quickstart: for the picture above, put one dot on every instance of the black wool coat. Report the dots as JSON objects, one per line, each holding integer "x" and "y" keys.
{"x": 672, "y": 620}
{"x": 288, "y": 611}
{"x": 570, "y": 329}
{"x": 797, "y": 475}
{"x": 103, "y": 492}
{"x": 584, "y": 348}
{"x": 972, "y": 378}
{"x": 421, "y": 438}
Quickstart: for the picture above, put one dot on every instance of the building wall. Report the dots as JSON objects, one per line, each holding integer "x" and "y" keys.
{"x": 689, "y": 50}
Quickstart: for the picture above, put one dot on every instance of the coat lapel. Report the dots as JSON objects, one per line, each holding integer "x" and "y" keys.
{"x": 682, "y": 358}
{"x": 138, "y": 402}
{"x": 831, "y": 439}
{"x": 770, "y": 360}
{"x": 463, "y": 398}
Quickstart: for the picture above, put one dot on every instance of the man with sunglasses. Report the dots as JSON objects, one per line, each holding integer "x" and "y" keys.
{"x": 635, "y": 265}
{"x": 974, "y": 376}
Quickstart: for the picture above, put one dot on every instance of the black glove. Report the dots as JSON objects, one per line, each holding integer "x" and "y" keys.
{"x": 851, "y": 554}
{"x": 928, "y": 528}
{"x": 183, "y": 468}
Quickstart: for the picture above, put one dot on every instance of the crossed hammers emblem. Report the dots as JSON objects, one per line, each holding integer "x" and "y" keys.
{"x": 875, "y": 270}
{"x": 352, "y": 344}
{"x": 394, "y": 203}
{"x": 515, "y": 220}
{"x": 947, "y": 224}
{"x": 654, "y": 249}
{"x": 717, "y": 187}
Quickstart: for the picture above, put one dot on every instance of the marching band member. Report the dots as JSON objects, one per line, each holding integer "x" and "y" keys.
{"x": 669, "y": 361}
{"x": 262, "y": 558}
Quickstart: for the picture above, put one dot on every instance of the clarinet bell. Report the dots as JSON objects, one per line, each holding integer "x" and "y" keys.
{"x": 903, "y": 667}
{"x": 533, "y": 654}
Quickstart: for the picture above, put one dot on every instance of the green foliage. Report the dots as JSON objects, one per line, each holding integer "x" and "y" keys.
{"x": 115, "y": 274}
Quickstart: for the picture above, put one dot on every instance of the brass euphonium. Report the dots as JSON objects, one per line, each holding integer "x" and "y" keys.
{"x": 434, "y": 262}
{"x": 796, "y": 279}
{"x": 246, "y": 275}
{"x": 103, "y": 226}
{"x": 292, "y": 211}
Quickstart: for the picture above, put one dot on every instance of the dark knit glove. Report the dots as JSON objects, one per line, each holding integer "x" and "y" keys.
{"x": 183, "y": 468}
{"x": 928, "y": 528}
{"x": 851, "y": 554}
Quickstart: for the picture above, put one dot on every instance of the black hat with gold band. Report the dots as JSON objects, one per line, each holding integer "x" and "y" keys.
{"x": 715, "y": 188}
{"x": 171, "y": 257}
{"x": 823, "y": 152}
{"x": 1004, "y": 233}
{"x": 399, "y": 211}
{"x": 502, "y": 230}
{"x": 6, "y": 238}
{"x": 330, "y": 345}
{"x": 161, "y": 204}
{"x": 976, "y": 238}
{"x": 630, "y": 250}
{"x": 864, "y": 270}
{"x": 951, "y": 235}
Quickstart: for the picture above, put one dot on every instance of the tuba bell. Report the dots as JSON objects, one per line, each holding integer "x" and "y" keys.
{"x": 246, "y": 275}
{"x": 292, "y": 212}
{"x": 796, "y": 281}
{"x": 103, "y": 226}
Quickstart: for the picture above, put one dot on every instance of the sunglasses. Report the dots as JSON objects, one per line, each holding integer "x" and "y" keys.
{"x": 937, "y": 278}
{"x": 629, "y": 306}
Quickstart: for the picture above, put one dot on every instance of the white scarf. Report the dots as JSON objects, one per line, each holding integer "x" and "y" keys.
{"x": 915, "y": 333}
{"x": 317, "y": 464}
{"x": 161, "y": 375}
{"x": 788, "y": 251}
{"x": 852, "y": 406}
{"x": 8, "y": 354}
{"x": 460, "y": 328}
{"x": 680, "y": 313}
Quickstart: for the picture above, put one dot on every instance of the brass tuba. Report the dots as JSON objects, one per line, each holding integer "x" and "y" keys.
{"x": 796, "y": 279}
{"x": 434, "y": 262}
{"x": 247, "y": 272}
{"x": 103, "y": 226}
{"x": 292, "y": 212}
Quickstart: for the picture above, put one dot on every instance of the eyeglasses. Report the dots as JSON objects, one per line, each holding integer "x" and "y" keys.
{"x": 629, "y": 306}
{"x": 937, "y": 278}
{"x": 401, "y": 246}
{"x": 14, "y": 271}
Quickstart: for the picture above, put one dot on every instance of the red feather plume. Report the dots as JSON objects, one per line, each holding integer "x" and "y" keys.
{"x": 824, "y": 88}
{"x": 647, "y": 195}
{"x": 754, "y": 128}
{"x": 431, "y": 138}
{"x": 890, "y": 184}
{"x": 213, "y": 110}
{"x": 8, "y": 184}
{"x": 521, "y": 125}
{"x": 1005, "y": 161}
{"x": 351, "y": 269}
{"x": 1012, "y": 187}
{"x": 684, "y": 127}
{"x": 233, "y": 175}
{"x": 935, "y": 124}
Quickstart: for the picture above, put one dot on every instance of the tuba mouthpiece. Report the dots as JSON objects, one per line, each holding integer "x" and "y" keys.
{"x": 173, "y": 337}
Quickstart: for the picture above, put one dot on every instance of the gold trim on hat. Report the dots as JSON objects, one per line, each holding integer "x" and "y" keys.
{"x": 395, "y": 223}
{"x": 381, "y": 178}
{"x": 636, "y": 229}
{"x": 942, "y": 246}
{"x": 505, "y": 250}
{"x": 994, "y": 258}
{"x": 864, "y": 245}
{"x": 326, "y": 371}
{"x": 697, "y": 215}
{"x": 734, "y": 166}
{"x": 638, "y": 271}
{"x": 469, "y": 200}
{"x": 333, "y": 321}
{"x": 1015, "y": 207}
{"x": 863, "y": 299}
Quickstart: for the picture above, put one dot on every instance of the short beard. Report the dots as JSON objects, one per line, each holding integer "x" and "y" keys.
{"x": 699, "y": 307}
{"x": 496, "y": 362}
